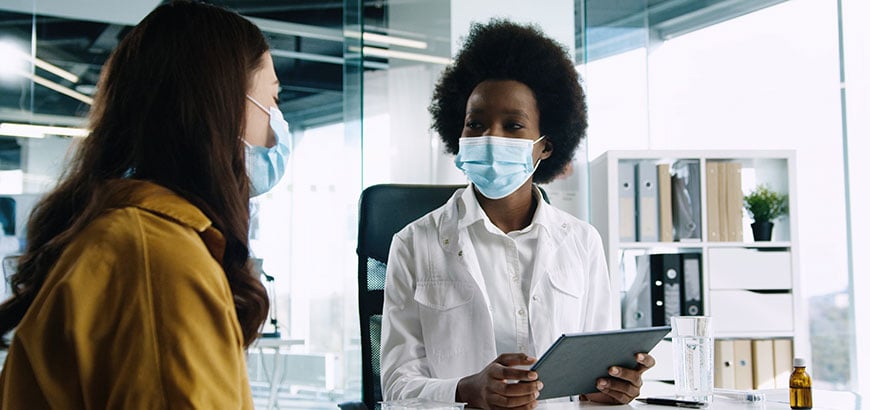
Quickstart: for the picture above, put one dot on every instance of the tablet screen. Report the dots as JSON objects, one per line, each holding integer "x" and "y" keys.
{"x": 576, "y": 360}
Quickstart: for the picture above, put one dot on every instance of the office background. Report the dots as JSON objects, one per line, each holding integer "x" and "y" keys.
{"x": 356, "y": 80}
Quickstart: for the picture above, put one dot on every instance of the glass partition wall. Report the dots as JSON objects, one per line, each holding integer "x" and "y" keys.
{"x": 356, "y": 77}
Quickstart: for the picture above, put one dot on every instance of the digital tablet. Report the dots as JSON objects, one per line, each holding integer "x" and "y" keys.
{"x": 576, "y": 360}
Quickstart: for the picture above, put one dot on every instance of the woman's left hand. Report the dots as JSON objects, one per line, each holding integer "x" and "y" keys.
{"x": 623, "y": 385}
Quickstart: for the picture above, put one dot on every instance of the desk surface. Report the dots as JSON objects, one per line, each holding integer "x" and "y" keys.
{"x": 276, "y": 342}
{"x": 776, "y": 399}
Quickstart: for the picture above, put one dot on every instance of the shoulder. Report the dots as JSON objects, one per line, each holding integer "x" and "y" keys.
{"x": 577, "y": 227}
{"x": 134, "y": 246}
{"x": 433, "y": 221}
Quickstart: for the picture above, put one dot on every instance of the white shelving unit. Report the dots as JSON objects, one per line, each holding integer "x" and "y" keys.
{"x": 744, "y": 300}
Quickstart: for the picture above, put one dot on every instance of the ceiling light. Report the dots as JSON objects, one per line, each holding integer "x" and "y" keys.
{"x": 51, "y": 68}
{"x": 39, "y": 131}
{"x": 380, "y": 52}
{"x": 10, "y": 50}
{"x": 369, "y": 37}
{"x": 13, "y": 59}
{"x": 61, "y": 89}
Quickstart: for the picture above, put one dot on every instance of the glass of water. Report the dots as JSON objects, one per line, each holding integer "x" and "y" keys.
{"x": 693, "y": 357}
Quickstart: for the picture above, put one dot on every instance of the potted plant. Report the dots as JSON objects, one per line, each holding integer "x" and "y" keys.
{"x": 764, "y": 206}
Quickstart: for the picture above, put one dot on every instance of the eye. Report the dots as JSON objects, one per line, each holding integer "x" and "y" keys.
{"x": 473, "y": 125}
{"x": 514, "y": 126}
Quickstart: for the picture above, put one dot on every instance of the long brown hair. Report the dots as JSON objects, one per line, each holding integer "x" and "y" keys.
{"x": 169, "y": 109}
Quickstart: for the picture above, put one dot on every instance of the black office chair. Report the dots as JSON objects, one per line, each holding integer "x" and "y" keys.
{"x": 383, "y": 211}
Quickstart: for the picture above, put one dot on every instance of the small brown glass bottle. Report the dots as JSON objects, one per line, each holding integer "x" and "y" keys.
{"x": 800, "y": 385}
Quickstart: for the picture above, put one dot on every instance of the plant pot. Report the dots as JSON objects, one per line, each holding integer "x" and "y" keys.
{"x": 761, "y": 231}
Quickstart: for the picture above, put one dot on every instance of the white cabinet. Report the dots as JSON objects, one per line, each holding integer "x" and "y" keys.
{"x": 750, "y": 288}
{"x": 747, "y": 268}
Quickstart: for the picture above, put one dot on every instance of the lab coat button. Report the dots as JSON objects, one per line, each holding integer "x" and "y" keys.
{"x": 536, "y": 298}
{"x": 521, "y": 312}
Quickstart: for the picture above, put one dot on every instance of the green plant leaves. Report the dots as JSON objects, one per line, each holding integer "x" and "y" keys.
{"x": 764, "y": 204}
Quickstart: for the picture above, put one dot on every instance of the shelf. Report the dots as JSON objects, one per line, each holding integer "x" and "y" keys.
{"x": 776, "y": 244}
{"x": 750, "y": 335}
{"x": 660, "y": 245}
{"x": 702, "y": 245}
{"x": 725, "y": 284}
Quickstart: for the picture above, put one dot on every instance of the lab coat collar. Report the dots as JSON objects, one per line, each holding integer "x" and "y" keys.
{"x": 464, "y": 210}
{"x": 473, "y": 212}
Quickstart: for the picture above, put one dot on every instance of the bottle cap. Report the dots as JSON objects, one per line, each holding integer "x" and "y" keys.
{"x": 799, "y": 362}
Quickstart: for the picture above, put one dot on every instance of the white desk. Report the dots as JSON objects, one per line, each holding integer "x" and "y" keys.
{"x": 275, "y": 343}
{"x": 776, "y": 399}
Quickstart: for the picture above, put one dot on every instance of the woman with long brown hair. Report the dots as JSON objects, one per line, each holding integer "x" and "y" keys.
{"x": 135, "y": 289}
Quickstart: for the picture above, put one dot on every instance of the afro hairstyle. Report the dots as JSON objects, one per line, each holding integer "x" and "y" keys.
{"x": 503, "y": 50}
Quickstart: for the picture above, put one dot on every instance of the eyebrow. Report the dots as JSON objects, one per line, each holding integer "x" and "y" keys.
{"x": 520, "y": 113}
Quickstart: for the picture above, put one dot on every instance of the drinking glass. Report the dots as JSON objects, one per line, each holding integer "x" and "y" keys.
{"x": 693, "y": 357}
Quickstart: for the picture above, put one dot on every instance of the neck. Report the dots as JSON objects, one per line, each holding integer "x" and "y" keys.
{"x": 513, "y": 212}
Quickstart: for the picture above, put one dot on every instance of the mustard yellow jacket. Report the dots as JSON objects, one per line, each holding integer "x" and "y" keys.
{"x": 137, "y": 313}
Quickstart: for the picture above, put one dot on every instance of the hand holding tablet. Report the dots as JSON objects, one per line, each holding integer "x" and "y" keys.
{"x": 575, "y": 361}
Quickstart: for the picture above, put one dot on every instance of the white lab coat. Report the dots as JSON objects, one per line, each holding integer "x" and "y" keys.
{"x": 437, "y": 326}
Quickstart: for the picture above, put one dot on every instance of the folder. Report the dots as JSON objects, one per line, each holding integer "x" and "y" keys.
{"x": 665, "y": 277}
{"x": 734, "y": 201}
{"x": 712, "y": 202}
{"x": 647, "y": 202}
{"x": 686, "y": 199}
{"x": 762, "y": 364}
{"x": 627, "y": 217}
{"x": 666, "y": 221}
{"x": 636, "y": 302}
{"x": 722, "y": 200}
{"x": 723, "y": 364}
{"x": 691, "y": 291}
{"x": 742, "y": 364}
{"x": 782, "y": 362}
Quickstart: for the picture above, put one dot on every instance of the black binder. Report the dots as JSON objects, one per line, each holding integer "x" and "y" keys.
{"x": 665, "y": 278}
{"x": 691, "y": 292}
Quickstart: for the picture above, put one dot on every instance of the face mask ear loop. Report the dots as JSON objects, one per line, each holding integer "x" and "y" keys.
{"x": 258, "y": 105}
{"x": 539, "y": 159}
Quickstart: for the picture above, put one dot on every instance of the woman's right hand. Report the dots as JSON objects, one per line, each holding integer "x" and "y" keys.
{"x": 500, "y": 386}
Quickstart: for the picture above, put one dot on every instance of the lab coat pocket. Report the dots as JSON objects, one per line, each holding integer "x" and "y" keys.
{"x": 443, "y": 295}
{"x": 566, "y": 292}
{"x": 447, "y": 319}
{"x": 565, "y": 282}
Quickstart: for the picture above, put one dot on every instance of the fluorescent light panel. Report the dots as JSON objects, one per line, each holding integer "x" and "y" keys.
{"x": 60, "y": 88}
{"x": 45, "y": 65}
{"x": 369, "y": 37}
{"x": 39, "y": 131}
{"x": 380, "y": 52}
{"x": 51, "y": 68}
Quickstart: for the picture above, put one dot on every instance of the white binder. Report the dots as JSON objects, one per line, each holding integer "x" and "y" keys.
{"x": 647, "y": 202}
{"x": 625, "y": 177}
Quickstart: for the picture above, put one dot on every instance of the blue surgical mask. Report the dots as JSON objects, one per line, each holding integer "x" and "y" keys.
{"x": 266, "y": 165}
{"x": 497, "y": 166}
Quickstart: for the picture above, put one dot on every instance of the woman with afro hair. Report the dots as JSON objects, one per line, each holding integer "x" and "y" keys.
{"x": 480, "y": 286}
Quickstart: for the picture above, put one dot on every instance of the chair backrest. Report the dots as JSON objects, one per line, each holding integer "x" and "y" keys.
{"x": 383, "y": 211}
